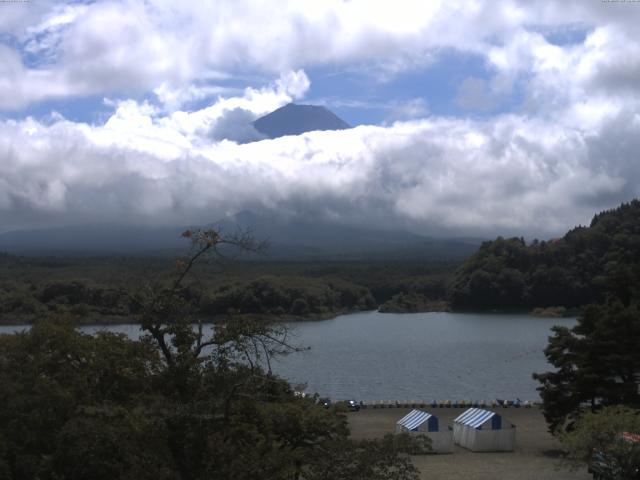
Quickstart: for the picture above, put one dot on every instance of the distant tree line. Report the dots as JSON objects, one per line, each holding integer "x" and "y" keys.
{"x": 279, "y": 296}
{"x": 295, "y": 296}
{"x": 95, "y": 290}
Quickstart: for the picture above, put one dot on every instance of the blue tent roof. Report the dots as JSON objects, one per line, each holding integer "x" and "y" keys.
{"x": 414, "y": 419}
{"x": 475, "y": 417}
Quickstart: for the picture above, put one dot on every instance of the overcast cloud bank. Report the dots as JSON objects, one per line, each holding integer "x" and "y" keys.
{"x": 569, "y": 150}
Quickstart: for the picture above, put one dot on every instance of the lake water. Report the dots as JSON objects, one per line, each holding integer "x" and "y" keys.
{"x": 423, "y": 356}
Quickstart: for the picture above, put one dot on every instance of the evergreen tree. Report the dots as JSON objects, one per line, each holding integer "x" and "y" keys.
{"x": 597, "y": 363}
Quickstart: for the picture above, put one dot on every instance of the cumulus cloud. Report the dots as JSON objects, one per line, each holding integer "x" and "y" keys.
{"x": 172, "y": 98}
{"x": 228, "y": 118}
{"x": 17, "y": 16}
{"x": 568, "y": 150}
{"x": 236, "y": 125}
{"x": 508, "y": 174}
{"x": 137, "y": 46}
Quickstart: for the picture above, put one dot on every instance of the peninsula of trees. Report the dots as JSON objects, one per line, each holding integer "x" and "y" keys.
{"x": 578, "y": 269}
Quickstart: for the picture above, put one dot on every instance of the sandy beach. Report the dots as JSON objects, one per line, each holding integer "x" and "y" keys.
{"x": 535, "y": 456}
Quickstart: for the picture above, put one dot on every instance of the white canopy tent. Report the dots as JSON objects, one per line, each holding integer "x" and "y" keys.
{"x": 484, "y": 431}
{"x": 418, "y": 422}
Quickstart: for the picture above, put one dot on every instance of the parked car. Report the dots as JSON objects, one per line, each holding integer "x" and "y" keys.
{"x": 353, "y": 406}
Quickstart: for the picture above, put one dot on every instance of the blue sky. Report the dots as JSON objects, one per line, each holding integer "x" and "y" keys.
{"x": 474, "y": 118}
{"x": 358, "y": 96}
{"x": 373, "y": 99}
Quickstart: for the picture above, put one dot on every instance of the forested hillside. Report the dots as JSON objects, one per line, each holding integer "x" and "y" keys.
{"x": 578, "y": 269}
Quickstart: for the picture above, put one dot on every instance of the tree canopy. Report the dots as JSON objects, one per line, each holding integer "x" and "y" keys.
{"x": 608, "y": 440}
{"x": 181, "y": 402}
{"x": 597, "y": 363}
{"x": 583, "y": 267}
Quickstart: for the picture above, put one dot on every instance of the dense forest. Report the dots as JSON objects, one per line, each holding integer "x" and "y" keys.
{"x": 570, "y": 272}
{"x": 578, "y": 269}
{"x": 179, "y": 403}
{"x": 101, "y": 289}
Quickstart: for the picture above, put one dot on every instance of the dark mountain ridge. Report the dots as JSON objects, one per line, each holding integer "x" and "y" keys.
{"x": 295, "y": 119}
{"x": 92, "y": 240}
{"x": 288, "y": 240}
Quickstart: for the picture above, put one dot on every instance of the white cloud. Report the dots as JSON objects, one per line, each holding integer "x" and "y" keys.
{"x": 173, "y": 99}
{"x": 508, "y": 174}
{"x": 568, "y": 151}
{"x": 293, "y": 84}
{"x": 237, "y": 126}
{"x": 44, "y": 38}
{"x": 16, "y": 16}
{"x": 138, "y": 46}
{"x": 142, "y": 124}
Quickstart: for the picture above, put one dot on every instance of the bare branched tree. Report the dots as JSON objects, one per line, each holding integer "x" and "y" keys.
{"x": 168, "y": 311}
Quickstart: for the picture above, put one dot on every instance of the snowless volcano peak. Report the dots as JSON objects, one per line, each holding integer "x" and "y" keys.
{"x": 295, "y": 119}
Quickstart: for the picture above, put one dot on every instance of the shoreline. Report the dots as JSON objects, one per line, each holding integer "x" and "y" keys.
{"x": 289, "y": 318}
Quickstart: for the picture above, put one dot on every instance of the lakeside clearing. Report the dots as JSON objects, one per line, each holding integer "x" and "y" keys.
{"x": 536, "y": 456}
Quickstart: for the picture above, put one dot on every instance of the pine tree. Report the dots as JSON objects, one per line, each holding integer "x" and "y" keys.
{"x": 597, "y": 363}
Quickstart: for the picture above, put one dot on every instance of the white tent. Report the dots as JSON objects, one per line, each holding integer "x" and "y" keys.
{"x": 418, "y": 422}
{"x": 484, "y": 431}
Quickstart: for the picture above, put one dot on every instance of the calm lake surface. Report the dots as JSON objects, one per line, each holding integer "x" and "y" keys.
{"x": 422, "y": 356}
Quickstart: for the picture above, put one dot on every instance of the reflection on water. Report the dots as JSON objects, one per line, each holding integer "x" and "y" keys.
{"x": 421, "y": 356}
